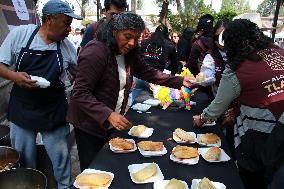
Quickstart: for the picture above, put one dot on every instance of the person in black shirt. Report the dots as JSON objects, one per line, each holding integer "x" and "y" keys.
{"x": 184, "y": 47}
{"x": 111, "y": 7}
{"x": 157, "y": 51}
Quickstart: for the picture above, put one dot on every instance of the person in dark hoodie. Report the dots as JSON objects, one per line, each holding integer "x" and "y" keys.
{"x": 184, "y": 47}
{"x": 158, "y": 52}
{"x": 202, "y": 43}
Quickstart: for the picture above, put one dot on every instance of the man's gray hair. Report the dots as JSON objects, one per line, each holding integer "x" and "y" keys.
{"x": 128, "y": 20}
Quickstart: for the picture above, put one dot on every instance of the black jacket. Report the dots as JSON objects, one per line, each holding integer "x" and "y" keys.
{"x": 160, "y": 56}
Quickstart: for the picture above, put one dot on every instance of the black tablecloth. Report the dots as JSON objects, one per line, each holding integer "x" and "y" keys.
{"x": 164, "y": 122}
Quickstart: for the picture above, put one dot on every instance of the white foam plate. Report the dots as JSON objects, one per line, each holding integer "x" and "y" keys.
{"x": 218, "y": 144}
{"x": 118, "y": 150}
{"x": 223, "y": 156}
{"x": 136, "y": 167}
{"x": 209, "y": 124}
{"x": 152, "y": 102}
{"x": 94, "y": 171}
{"x": 152, "y": 153}
{"x": 161, "y": 184}
{"x": 178, "y": 140}
{"x": 41, "y": 82}
{"x": 146, "y": 134}
{"x": 141, "y": 107}
{"x": 218, "y": 185}
{"x": 191, "y": 161}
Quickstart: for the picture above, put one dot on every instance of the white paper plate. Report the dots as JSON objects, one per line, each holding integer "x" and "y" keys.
{"x": 152, "y": 102}
{"x": 41, "y": 82}
{"x": 141, "y": 107}
{"x": 117, "y": 150}
{"x": 136, "y": 167}
{"x": 209, "y": 124}
{"x": 94, "y": 171}
{"x": 223, "y": 156}
{"x": 178, "y": 140}
{"x": 218, "y": 144}
{"x": 191, "y": 161}
{"x": 146, "y": 134}
{"x": 161, "y": 184}
{"x": 218, "y": 185}
{"x": 152, "y": 153}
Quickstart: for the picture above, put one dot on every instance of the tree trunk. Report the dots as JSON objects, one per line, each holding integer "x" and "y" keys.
{"x": 98, "y": 10}
{"x": 178, "y": 5}
{"x": 83, "y": 6}
{"x": 133, "y": 6}
{"x": 274, "y": 25}
{"x": 164, "y": 13}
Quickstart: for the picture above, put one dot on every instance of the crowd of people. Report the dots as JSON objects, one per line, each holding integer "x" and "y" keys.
{"x": 117, "y": 58}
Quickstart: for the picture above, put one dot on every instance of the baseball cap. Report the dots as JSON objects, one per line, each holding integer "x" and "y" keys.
{"x": 59, "y": 7}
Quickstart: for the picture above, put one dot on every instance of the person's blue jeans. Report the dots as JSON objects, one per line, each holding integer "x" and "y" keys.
{"x": 55, "y": 142}
{"x": 140, "y": 85}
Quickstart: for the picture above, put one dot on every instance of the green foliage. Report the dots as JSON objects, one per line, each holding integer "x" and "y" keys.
{"x": 237, "y": 6}
{"x": 139, "y": 4}
{"x": 225, "y": 14}
{"x": 188, "y": 16}
{"x": 267, "y": 7}
{"x": 86, "y": 22}
{"x": 193, "y": 9}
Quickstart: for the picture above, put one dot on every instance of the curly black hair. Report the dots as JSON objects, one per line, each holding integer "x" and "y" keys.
{"x": 243, "y": 39}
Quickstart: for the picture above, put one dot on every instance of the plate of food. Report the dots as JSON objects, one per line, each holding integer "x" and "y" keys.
{"x": 170, "y": 184}
{"x": 214, "y": 154}
{"x": 92, "y": 178}
{"x": 40, "y": 81}
{"x": 121, "y": 145}
{"x": 185, "y": 155}
{"x": 181, "y": 136}
{"x": 150, "y": 148}
{"x": 209, "y": 139}
{"x": 141, "y": 131}
{"x": 141, "y": 107}
{"x": 205, "y": 183}
{"x": 145, "y": 173}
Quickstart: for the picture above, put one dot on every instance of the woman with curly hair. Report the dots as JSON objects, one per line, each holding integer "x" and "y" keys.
{"x": 256, "y": 77}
